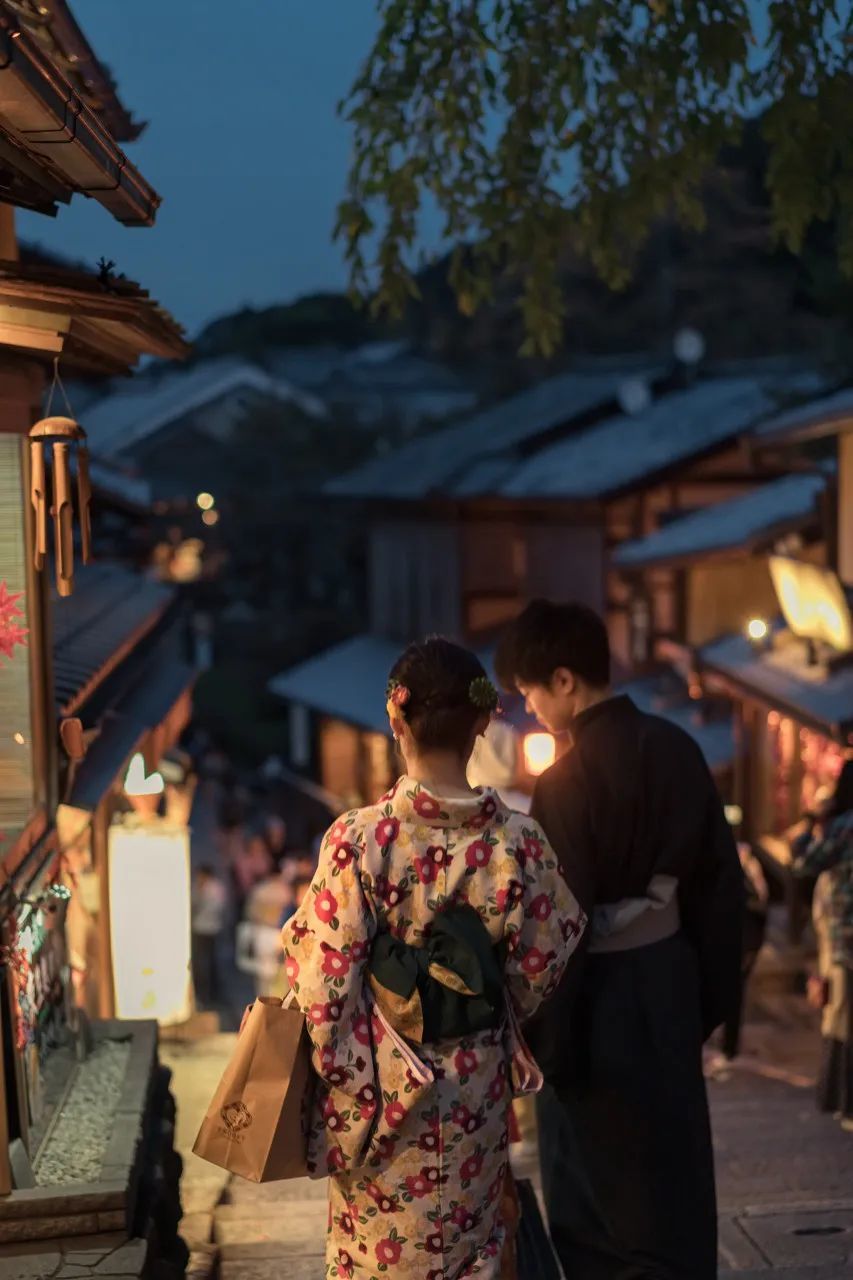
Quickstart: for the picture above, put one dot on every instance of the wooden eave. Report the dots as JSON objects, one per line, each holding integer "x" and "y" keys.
{"x": 43, "y": 115}
{"x": 53, "y": 26}
{"x": 96, "y": 325}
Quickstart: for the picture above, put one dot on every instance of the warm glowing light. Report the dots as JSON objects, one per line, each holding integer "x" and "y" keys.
{"x": 813, "y": 602}
{"x": 139, "y": 783}
{"x": 20, "y": 739}
{"x": 757, "y": 629}
{"x": 210, "y": 517}
{"x": 774, "y": 719}
{"x": 540, "y": 752}
{"x": 149, "y": 879}
{"x": 734, "y": 815}
{"x": 205, "y": 501}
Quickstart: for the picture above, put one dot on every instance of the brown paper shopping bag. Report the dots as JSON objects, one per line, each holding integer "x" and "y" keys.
{"x": 257, "y": 1123}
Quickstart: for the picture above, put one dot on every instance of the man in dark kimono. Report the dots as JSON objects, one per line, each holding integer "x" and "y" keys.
{"x": 634, "y": 816}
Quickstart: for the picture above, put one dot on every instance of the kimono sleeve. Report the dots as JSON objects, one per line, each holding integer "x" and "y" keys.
{"x": 824, "y": 852}
{"x": 544, "y": 923}
{"x": 326, "y": 947}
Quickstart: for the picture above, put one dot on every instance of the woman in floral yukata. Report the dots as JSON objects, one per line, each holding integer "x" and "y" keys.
{"x": 436, "y": 922}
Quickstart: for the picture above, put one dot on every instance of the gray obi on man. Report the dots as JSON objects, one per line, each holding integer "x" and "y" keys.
{"x": 636, "y": 922}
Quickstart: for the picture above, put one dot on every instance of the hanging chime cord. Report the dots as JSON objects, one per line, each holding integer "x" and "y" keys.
{"x": 57, "y": 382}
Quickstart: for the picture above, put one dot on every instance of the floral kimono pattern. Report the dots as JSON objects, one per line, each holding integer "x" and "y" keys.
{"x": 415, "y": 1137}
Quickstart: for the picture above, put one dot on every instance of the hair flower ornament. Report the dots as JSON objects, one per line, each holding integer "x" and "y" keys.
{"x": 397, "y": 694}
{"x": 483, "y": 694}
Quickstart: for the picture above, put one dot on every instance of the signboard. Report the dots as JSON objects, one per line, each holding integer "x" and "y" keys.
{"x": 813, "y": 602}
{"x": 149, "y": 879}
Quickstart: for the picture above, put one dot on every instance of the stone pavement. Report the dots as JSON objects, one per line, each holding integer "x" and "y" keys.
{"x": 785, "y": 1173}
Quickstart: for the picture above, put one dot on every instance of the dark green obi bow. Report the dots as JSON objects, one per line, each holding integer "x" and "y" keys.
{"x": 449, "y": 988}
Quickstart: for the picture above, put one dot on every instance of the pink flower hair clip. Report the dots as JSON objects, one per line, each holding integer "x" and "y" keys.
{"x": 398, "y": 694}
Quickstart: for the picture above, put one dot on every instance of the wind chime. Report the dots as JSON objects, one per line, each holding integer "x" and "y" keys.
{"x": 59, "y": 436}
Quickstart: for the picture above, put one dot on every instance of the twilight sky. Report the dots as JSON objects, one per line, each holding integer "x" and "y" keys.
{"x": 243, "y": 144}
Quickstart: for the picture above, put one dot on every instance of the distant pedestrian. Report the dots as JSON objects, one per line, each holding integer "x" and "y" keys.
{"x": 259, "y": 946}
{"x": 757, "y": 895}
{"x": 639, "y": 830}
{"x": 829, "y": 856}
{"x": 209, "y": 907}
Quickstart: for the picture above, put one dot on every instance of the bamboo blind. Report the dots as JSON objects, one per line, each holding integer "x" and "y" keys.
{"x": 17, "y": 794}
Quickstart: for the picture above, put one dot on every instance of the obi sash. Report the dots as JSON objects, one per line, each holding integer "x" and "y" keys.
{"x": 637, "y": 922}
{"x": 447, "y": 989}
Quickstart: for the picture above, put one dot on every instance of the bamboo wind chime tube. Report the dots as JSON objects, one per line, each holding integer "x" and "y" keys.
{"x": 38, "y": 497}
{"x": 63, "y": 518}
{"x": 60, "y": 434}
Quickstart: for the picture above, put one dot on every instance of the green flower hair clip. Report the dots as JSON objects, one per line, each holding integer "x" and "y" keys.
{"x": 483, "y": 694}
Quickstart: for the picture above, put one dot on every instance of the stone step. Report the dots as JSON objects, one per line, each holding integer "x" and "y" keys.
{"x": 297, "y": 1228}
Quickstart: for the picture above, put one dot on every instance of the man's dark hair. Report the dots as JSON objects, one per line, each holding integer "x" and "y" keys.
{"x": 438, "y": 675}
{"x": 546, "y": 636}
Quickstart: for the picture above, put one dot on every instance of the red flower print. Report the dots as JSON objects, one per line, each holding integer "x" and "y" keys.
{"x": 472, "y": 1167}
{"x": 345, "y": 1265}
{"x": 426, "y": 806}
{"x": 335, "y": 1160}
{"x": 432, "y": 1175}
{"x": 335, "y": 963}
{"x": 507, "y": 898}
{"x": 485, "y": 813}
{"x": 388, "y": 1251}
{"x": 318, "y": 1014}
{"x": 497, "y": 1088}
{"x": 334, "y": 1009}
{"x": 291, "y": 968}
{"x": 474, "y": 1122}
{"x": 342, "y": 856}
{"x": 378, "y": 1031}
{"x": 367, "y": 1095}
{"x": 336, "y": 1076}
{"x": 478, "y": 854}
{"x": 540, "y": 908}
{"x": 387, "y": 831}
{"x": 361, "y": 1030}
{"x": 357, "y": 951}
{"x": 460, "y": 1115}
{"x": 385, "y": 1145}
{"x": 327, "y": 1059}
{"x": 430, "y": 1141}
{"x": 334, "y": 1121}
{"x": 347, "y": 1225}
{"x": 418, "y": 1186}
{"x": 534, "y": 962}
{"x": 436, "y": 1274}
{"x": 465, "y": 1062}
{"x": 426, "y": 870}
{"x": 463, "y": 1218}
{"x": 391, "y": 894}
{"x": 395, "y": 1114}
{"x": 299, "y": 931}
{"x": 438, "y": 854}
{"x": 532, "y": 849}
{"x": 325, "y": 906}
{"x": 434, "y": 1243}
{"x": 337, "y": 832}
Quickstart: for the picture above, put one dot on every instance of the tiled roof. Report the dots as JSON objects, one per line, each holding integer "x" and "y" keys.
{"x": 94, "y": 629}
{"x": 510, "y": 451}
{"x": 665, "y": 694}
{"x": 817, "y": 417}
{"x": 769, "y": 510}
{"x": 442, "y": 461}
{"x": 810, "y": 694}
{"x": 134, "y": 410}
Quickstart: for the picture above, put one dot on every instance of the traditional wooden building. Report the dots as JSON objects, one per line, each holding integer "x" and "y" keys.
{"x": 533, "y": 497}
{"x": 90, "y": 673}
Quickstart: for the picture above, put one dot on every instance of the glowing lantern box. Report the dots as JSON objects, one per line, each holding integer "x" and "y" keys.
{"x": 149, "y": 878}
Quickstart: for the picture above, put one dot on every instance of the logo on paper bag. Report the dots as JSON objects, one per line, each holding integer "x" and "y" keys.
{"x": 237, "y": 1118}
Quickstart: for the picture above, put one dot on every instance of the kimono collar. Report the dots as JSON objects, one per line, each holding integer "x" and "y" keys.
{"x": 410, "y": 801}
{"x": 615, "y": 704}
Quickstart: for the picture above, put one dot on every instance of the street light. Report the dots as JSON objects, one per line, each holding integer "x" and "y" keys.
{"x": 205, "y": 501}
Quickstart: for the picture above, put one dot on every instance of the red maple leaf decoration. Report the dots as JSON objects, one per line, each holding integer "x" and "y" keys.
{"x": 11, "y": 631}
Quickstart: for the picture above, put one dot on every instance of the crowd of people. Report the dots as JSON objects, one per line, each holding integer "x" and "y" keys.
{"x": 244, "y": 895}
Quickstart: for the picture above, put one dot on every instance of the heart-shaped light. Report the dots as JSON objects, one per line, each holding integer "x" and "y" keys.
{"x": 139, "y": 783}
